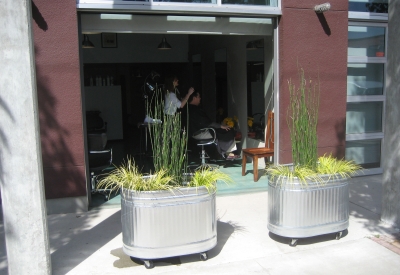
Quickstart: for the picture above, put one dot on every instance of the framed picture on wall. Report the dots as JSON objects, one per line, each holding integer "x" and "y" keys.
{"x": 108, "y": 40}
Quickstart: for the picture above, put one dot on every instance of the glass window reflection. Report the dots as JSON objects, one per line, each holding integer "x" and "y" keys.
{"x": 272, "y": 3}
{"x": 364, "y": 117}
{"x": 366, "y": 153}
{"x": 365, "y": 79}
{"x": 268, "y": 3}
{"x": 366, "y": 41}
{"x": 188, "y": 1}
{"x": 376, "y": 6}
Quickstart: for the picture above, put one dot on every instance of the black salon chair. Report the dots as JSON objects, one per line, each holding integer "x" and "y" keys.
{"x": 100, "y": 161}
{"x": 95, "y": 123}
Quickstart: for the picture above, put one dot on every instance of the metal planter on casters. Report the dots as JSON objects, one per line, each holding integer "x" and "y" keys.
{"x": 297, "y": 211}
{"x": 160, "y": 224}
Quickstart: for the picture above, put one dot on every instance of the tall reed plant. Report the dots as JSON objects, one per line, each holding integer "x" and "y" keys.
{"x": 168, "y": 140}
{"x": 302, "y": 119}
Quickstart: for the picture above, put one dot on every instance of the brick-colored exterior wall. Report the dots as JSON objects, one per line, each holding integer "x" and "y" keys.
{"x": 55, "y": 30}
{"x": 318, "y": 42}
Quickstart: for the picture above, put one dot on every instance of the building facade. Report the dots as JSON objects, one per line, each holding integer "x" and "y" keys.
{"x": 344, "y": 47}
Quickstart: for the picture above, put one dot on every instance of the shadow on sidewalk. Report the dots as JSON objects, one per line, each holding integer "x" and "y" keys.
{"x": 308, "y": 240}
{"x": 79, "y": 242}
{"x": 224, "y": 231}
{"x": 366, "y": 204}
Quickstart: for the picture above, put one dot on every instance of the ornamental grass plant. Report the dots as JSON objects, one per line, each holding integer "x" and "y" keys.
{"x": 207, "y": 177}
{"x": 302, "y": 120}
{"x": 128, "y": 176}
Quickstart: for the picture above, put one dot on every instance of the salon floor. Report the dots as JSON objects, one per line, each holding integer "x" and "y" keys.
{"x": 135, "y": 146}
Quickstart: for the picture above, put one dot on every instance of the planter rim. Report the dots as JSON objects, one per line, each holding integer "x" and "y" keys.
{"x": 178, "y": 189}
{"x": 335, "y": 176}
{"x": 296, "y": 184}
{"x": 185, "y": 192}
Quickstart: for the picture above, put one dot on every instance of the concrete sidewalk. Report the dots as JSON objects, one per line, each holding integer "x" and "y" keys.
{"x": 91, "y": 243}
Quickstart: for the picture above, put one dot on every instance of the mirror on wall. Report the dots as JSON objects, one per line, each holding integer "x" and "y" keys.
{"x": 221, "y": 85}
{"x": 255, "y": 87}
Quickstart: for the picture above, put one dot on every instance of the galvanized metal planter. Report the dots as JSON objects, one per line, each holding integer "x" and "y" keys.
{"x": 296, "y": 211}
{"x": 160, "y": 224}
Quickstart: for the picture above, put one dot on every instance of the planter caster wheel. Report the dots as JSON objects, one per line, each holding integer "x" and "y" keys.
{"x": 339, "y": 235}
{"x": 203, "y": 256}
{"x": 148, "y": 264}
{"x": 293, "y": 242}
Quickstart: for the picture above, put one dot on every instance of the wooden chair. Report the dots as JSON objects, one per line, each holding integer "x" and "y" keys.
{"x": 256, "y": 153}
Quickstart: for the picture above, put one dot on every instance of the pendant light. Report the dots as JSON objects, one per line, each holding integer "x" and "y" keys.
{"x": 86, "y": 44}
{"x": 251, "y": 46}
{"x": 164, "y": 45}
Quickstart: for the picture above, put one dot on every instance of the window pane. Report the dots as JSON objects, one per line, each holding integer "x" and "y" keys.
{"x": 364, "y": 117}
{"x": 365, "y": 79}
{"x": 378, "y": 6}
{"x": 366, "y": 41}
{"x": 271, "y": 3}
{"x": 367, "y": 153}
{"x": 188, "y": 1}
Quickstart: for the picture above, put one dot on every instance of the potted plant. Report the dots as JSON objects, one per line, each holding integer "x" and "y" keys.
{"x": 311, "y": 196}
{"x": 169, "y": 212}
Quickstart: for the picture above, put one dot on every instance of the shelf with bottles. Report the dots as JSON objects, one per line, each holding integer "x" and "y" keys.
{"x": 100, "y": 80}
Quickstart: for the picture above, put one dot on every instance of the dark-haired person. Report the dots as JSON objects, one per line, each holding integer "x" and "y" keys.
{"x": 198, "y": 119}
{"x": 172, "y": 101}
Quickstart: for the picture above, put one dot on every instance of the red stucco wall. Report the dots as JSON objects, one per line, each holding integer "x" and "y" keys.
{"x": 319, "y": 44}
{"x": 59, "y": 97}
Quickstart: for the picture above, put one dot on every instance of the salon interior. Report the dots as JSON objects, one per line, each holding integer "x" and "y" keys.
{"x": 230, "y": 63}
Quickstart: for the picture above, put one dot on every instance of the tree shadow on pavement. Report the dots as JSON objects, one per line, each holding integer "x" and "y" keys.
{"x": 73, "y": 241}
{"x": 366, "y": 204}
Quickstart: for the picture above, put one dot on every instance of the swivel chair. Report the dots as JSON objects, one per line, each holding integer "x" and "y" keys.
{"x": 95, "y": 123}
{"x": 203, "y": 153}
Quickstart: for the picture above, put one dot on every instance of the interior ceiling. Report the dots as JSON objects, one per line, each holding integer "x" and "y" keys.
{"x": 127, "y": 23}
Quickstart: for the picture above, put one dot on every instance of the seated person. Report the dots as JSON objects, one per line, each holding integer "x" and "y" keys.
{"x": 198, "y": 119}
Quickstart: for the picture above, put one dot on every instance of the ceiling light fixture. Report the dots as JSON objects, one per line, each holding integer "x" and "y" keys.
{"x": 251, "y": 46}
{"x": 86, "y": 44}
{"x": 164, "y": 45}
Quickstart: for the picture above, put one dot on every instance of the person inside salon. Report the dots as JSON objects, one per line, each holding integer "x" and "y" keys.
{"x": 198, "y": 120}
{"x": 173, "y": 102}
